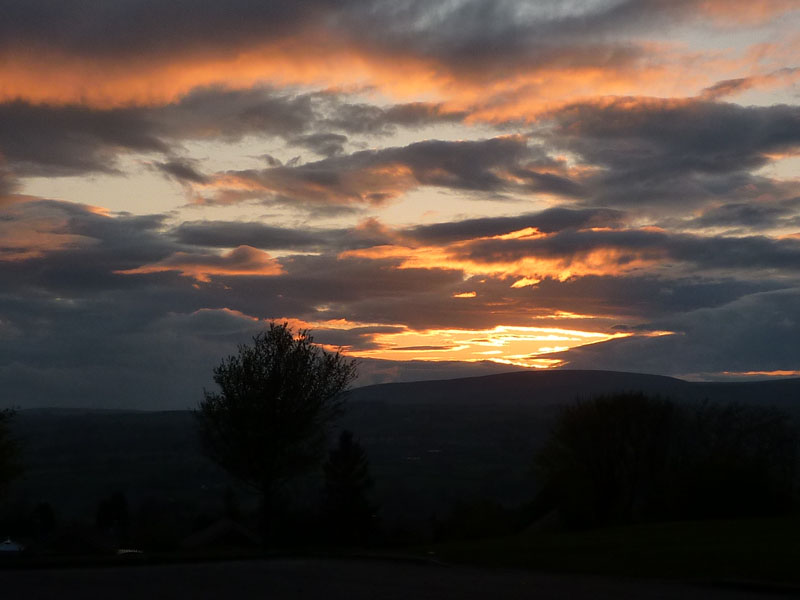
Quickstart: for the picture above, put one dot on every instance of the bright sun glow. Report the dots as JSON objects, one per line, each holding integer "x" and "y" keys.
{"x": 520, "y": 346}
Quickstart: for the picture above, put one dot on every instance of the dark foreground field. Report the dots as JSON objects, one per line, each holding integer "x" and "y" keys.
{"x": 345, "y": 579}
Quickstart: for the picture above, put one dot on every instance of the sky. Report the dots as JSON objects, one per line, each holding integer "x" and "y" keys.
{"x": 436, "y": 188}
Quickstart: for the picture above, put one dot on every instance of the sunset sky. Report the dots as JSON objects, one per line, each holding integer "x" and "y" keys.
{"x": 439, "y": 188}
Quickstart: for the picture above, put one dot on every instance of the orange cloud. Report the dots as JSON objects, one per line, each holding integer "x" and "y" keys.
{"x": 244, "y": 260}
{"x": 310, "y": 58}
{"x": 527, "y": 271}
{"x": 32, "y": 229}
{"x": 368, "y": 185}
{"x": 778, "y": 373}
{"x": 523, "y": 89}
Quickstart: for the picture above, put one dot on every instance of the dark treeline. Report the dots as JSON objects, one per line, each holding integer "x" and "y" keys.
{"x": 628, "y": 458}
{"x": 614, "y": 459}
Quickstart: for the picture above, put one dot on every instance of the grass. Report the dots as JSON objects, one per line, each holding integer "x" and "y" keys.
{"x": 752, "y": 549}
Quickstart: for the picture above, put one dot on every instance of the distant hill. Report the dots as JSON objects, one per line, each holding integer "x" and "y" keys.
{"x": 430, "y": 443}
{"x": 542, "y": 388}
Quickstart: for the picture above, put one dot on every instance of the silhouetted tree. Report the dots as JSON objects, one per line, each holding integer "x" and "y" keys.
{"x": 628, "y": 457}
{"x": 9, "y": 451}
{"x": 736, "y": 460}
{"x": 267, "y": 423}
{"x": 606, "y": 456}
{"x": 348, "y": 512}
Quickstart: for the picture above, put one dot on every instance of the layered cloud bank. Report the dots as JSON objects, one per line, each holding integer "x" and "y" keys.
{"x": 436, "y": 188}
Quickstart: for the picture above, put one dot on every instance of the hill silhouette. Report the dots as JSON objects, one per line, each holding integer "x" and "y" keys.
{"x": 429, "y": 443}
{"x": 560, "y": 386}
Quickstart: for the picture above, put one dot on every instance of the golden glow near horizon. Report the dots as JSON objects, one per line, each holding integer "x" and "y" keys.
{"x": 519, "y": 346}
{"x": 777, "y": 373}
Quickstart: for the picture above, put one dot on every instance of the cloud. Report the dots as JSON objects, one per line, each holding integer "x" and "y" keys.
{"x": 243, "y": 260}
{"x": 52, "y": 140}
{"x": 495, "y": 165}
{"x": 72, "y": 139}
{"x": 757, "y": 332}
{"x": 742, "y": 217}
{"x": 547, "y": 221}
{"x": 37, "y": 140}
{"x": 201, "y": 24}
{"x": 182, "y": 169}
{"x": 731, "y": 87}
{"x": 8, "y": 184}
{"x": 676, "y": 134}
{"x": 326, "y": 144}
{"x": 668, "y": 153}
{"x": 378, "y": 120}
{"x": 663, "y": 213}
{"x": 491, "y": 58}
{"x": 229, "y": 234}
{"x": 68, "y": 306}
{"x": 574, "y": 251}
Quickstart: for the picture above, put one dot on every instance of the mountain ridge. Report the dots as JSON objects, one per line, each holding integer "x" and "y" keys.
{"x": 565, "y": 385}
{"x": 542, "y": 387}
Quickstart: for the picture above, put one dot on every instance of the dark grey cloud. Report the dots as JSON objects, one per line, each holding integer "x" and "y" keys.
{"x": 326, "y": 144}
{"x": 663, "y": 154}
{"x": 666, "y": 135}
{"x": 229, "y": 115}
{"x": 493, "y": 37}
{"x": 465, "y": 165}
{"x": 493, "y": 165}
{"x": 546, "y": 221}
{"x": 69, "y": 140}
{"x": 229, "y": 234}
{"x": 729, "y": 87}
{"x": 8, "y": 183}
{"x": 676, "y": 153}
{"x": 41, "y": 140}
{"x": 732, "y": 253}
{"x": 726, "y": 87}
{"x": 641, "y": 298}
{"x": 74, "y": 331}
{"x": 325, "y": 286}
{"x": 50, "y": 140}
{"x": 749, "y": 216}
{"x": 361, "y": 118}
{"x": 98, "y": 27}
{"x": 757, "y": 332}
{"x": 81, "y": 248}
{"x": 182, "y": 169}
